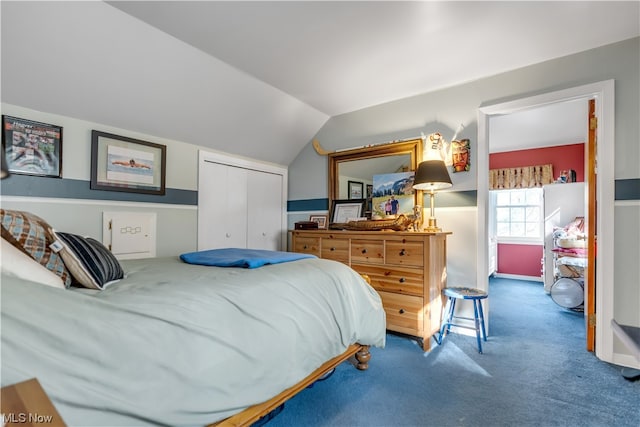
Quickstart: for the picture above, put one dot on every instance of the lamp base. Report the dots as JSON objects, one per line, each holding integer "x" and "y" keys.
{"x": 432, "y": 227}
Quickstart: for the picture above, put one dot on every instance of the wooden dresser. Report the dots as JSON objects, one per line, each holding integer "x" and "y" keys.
{"x": 407, "y": 269}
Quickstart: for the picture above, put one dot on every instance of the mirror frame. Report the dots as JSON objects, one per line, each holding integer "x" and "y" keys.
{"x": 413, "y": 147}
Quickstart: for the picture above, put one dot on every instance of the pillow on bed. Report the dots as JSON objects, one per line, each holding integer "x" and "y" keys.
{"x": 32, "y": 235}
{"x": 91, "y": 264}
{"x": 18, "y": 264}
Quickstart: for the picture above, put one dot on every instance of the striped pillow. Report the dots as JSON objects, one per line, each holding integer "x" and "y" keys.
{"x": 91, "y": 264}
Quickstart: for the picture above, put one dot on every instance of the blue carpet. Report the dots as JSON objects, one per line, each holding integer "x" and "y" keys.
{"x": 535, "y": 371}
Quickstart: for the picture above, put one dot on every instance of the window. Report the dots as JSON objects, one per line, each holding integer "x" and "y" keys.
{"x": 519, "y": 214}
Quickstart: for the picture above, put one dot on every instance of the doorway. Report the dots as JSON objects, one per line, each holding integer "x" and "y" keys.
{"x": 603, "y": 92}
{"x": 525, "y": 213}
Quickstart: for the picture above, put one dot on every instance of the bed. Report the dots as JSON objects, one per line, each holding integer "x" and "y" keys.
{"x": 186, "y": 345}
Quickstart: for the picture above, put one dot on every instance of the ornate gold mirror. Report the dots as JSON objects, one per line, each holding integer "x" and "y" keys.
{"x": 351, "y": 170}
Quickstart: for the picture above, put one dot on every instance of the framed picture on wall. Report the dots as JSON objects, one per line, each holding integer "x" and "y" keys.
{"x": 32, "y": 148}
{"x": 119, "y": 163}
{"x": 355, "y": 189}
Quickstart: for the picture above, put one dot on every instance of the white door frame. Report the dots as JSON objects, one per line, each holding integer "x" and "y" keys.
{"x": 604, "y": 93}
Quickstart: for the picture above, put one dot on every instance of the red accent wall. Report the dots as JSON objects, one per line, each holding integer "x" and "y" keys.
{"x": 521, "y": 260}
{"x": 561, "y": 157}
{"x": 524, "y": 260}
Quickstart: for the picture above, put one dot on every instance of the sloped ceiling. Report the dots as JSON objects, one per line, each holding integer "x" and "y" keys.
{"x": 259, "y": 79}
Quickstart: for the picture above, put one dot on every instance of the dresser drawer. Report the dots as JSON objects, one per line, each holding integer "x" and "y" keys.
{"x": 335, "y": 248}
{"x": 307, "y": 245}
{"x": 367, "y": 251}
{"x": 404, "y": 312}
{"x": 400, "y": 252}
{"x": 405, "y": 280}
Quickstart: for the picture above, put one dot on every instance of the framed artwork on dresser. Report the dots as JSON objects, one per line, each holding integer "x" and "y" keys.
{"x": 346, "y": 210}
{"x": 321, "y": 220}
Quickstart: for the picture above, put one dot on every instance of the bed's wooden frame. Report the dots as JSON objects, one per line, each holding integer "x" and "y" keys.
{"x": 254, "y": 413}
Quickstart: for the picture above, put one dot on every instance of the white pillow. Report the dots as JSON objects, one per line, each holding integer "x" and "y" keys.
{"x": 16, "y": 263}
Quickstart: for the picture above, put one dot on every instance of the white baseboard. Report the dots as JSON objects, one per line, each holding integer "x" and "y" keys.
{"x": 518, "y": 277}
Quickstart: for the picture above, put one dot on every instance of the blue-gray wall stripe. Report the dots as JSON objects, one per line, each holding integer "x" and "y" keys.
{"x": 628, "y": 189}
{"x": 35, "y": 186}
{"x": 450, "y": 199}
{"x": 308, "y": 205}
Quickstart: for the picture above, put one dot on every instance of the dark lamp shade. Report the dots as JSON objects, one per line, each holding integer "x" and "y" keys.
{"x": 432, "y": 175}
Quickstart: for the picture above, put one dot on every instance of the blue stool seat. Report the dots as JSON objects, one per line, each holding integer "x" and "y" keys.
{"x": 475, "y": 295}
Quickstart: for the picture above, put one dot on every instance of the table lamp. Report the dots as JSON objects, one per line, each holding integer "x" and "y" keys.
{"x": 431, "y": 176}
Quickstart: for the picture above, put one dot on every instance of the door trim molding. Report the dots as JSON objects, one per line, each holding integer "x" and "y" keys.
{"x": 604, "y": 93}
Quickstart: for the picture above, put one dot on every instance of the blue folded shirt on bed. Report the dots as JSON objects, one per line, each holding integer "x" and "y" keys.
{"x": 237, "y": 257}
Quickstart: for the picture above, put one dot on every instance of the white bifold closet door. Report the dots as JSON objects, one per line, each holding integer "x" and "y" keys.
{"x": 239, "y": 207}
{"x": 264, "y": 210}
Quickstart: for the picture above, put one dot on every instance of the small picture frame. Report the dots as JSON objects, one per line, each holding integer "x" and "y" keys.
{"x": 119, "y": 163}
{"x": 32, "y": 148}
{"x": 356, "y": 190}
{"x": 321, "y": 220}
{"x": 343, "y": 210}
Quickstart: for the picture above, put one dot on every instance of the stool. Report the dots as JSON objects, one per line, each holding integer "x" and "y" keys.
{"x": 474, "y": 295}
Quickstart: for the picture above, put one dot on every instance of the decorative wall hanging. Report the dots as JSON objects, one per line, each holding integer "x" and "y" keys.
{"x": 32, "y": 148}
{"x": 461, "y": 153}
{"x": 119, "y": 163}
{"x": 520, "y": 177}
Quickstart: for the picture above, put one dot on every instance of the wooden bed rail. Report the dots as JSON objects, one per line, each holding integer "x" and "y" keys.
{"x": 255, "y": 412}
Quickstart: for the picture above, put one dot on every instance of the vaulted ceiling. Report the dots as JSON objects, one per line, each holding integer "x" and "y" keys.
{"x": 259, "y": 79}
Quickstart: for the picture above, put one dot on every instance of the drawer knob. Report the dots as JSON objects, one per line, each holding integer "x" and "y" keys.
{"x": 364, "y": 251}
{"x": 401, "y": 311}
{"x": 386, "y": 273}
{"x": 333, "y": 249}
{"x": 305, "y": 247}
{"x": 402, "y": 280}
{"x": 402, "y": 252}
